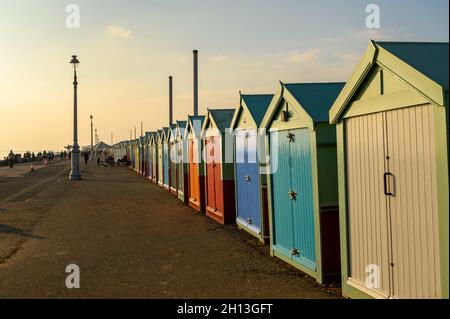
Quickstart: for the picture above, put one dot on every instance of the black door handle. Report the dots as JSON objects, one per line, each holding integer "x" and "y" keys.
{"x": 387, "y": 188}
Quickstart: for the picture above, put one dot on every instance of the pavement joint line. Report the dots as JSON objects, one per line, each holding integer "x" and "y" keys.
{"x": 32, "y": 187}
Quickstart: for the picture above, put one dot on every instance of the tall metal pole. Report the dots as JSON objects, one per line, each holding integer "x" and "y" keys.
{"x": 92, "y": 138}
{"x": 75, "y": 156}
{"x": 195, "y": 82}
{"x": 170, "y": 100}
{"x": 92, "y": 132}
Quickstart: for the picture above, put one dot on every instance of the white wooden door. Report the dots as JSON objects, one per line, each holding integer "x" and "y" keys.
{"x": 367, "y": 211}
{"x": 413, "y": 205}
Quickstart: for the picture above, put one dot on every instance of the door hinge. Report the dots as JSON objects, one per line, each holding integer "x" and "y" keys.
{"x": 295, "y": 252}
{"x": 293, "y": 195}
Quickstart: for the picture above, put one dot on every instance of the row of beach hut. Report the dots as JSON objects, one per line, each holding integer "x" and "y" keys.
{"x": 345, "y": 181}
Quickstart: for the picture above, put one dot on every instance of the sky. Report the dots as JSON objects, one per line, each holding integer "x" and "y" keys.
{"x": 127, "y": 50}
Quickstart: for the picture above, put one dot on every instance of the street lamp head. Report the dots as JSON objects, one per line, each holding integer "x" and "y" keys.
{"x": 74, "y": 61}
{"x": 91, "y": 117}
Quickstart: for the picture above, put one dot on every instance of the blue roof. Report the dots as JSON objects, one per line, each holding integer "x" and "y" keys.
{"x": 257, "y": 105}
{"x": 315, "y": 98}
{"x": 222, "y": 117}
{"x": 429, "y": 58}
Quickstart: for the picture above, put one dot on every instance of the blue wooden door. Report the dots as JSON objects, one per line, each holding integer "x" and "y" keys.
{"x": 303, "y": 207}
{"x": 283, "y": 241}
{"x": 180, "y": 166}
{"x": 166, "y": 164}
{"x": 253, "y": 194}
{"x": 150, "y": 161}
{"x": 241, "y": 182}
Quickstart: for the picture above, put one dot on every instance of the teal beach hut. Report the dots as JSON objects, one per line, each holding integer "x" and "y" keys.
{"x": 303, "y": 196}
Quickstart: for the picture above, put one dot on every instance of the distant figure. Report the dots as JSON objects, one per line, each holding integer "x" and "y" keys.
{"x": 11, "y": 159}
{"x": 86, "y": 157}
{"x": 98, "y": 160}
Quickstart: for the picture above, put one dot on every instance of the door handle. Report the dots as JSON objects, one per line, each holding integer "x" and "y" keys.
{"x": 247, "y": 178}
{"x": 387, "y": 184}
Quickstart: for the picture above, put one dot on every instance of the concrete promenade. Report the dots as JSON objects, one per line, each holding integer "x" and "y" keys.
{"x": 130, "y": 239}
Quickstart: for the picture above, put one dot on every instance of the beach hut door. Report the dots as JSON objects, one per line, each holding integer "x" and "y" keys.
{"x": 293, "y": 214}
{"x": 247, "y": 182}
{"x": 392, "y": 203}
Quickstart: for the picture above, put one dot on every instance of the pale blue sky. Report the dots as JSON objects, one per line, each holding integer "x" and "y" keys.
{"x": 246, "y": 45}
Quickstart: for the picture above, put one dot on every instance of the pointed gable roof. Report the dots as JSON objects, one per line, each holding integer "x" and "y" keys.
{"x": 315, "y": 98}
{"x": 192, "y": 120}
{"x": 422, "y": 66}
{"x": 255, "y": 104}
{"x": 431, "y": 59}
{"x": 222, "y": 117}
{"x": 311, "y": 100}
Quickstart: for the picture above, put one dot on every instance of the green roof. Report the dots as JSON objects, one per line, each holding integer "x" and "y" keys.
{"x": 257, "y": 105}
{"x": 222, "y": 117}
{"x": 315, "y": 98}
{"x": 430, "y": 59}
{"x": 149, "y": 135}
{"x": 182, "y": 124}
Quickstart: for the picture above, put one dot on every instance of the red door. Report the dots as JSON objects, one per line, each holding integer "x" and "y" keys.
{"x": 218, "y": 185}
{"x": 210, "y": 176}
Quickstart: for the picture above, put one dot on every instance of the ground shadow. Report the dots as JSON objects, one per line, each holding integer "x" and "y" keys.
{"x": 5, "y": 229}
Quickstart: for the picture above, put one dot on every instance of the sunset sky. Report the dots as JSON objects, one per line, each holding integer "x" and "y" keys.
{"x": 127, "y": 50}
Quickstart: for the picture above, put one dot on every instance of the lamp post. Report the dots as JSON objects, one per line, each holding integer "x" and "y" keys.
{"x": 75, "y": 157}
{"x": 92, "y": 137}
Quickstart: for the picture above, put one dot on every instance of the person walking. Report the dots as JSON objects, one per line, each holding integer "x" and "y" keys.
{"x": 86, "y": 157}
{"x": 11, "y": 157}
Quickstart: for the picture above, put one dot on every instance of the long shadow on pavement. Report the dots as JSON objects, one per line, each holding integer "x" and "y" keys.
{"x": 5, "y": 229}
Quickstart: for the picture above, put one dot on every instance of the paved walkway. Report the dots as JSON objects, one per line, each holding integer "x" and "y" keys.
{"x": 19, "y": 170}
{"x": 131, "y": 239}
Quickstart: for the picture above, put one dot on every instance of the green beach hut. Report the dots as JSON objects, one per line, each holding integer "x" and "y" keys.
{"x": 392, "y": 137}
